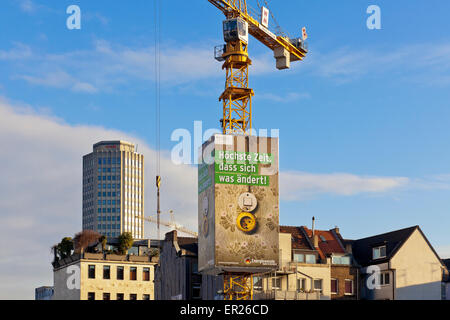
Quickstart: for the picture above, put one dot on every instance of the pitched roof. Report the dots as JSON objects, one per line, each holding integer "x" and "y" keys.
{"x": 362, "y": 248}
{"x": 299, "y": 241}
{"x": 329, "y": 242}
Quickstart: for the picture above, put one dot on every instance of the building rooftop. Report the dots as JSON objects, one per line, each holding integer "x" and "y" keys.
{"x": 299, "y": 241}
{"x": 112, "y": 142}
{"x": 362, "y": 248}
{"x": 329, "y": 241}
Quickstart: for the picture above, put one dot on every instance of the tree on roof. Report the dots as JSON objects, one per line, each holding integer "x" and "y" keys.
{"x": 84, "y": 239}
{"x": 103, "y": 240}
{"x": 63, "y": 249}
{"x": 125, "y": 242}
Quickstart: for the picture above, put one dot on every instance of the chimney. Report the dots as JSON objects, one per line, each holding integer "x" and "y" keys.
{"x": 316, "y": 241}
{"x": 336, "y": 229}
{"x": 313, "y": 222}
{"x": 172, "y": 236}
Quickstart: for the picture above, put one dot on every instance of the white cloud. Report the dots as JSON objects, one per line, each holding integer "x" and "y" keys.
{"x": 18, "y": 52}
{"x": 286, "y": 98}
{"x": 40, "y": 191}
{"x": 84, "y": 87}
{"x": 347, "y": 64}
{"x": 297, "y": 186}
{"x": 432, "y": 182}
{"x": 59, "y": 79}
{"x": 106, "y": 66}
{"x": 27, "y": 6}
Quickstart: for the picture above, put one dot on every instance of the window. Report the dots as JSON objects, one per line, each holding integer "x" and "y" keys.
{"x": 119, "y": 273}
{"x": 119, "y": 296}
{"x": 379, "y": 252}
{"x": 133, "y": 271}
{"x": 276, "y": 283}
{"x": 334, "y": 286}
{"x": 196, "y": 291}
{"x": 257, "y": 283}
{"x": 106, "y": 272}
{"x": 145, "y": 297}
{"x": 299, "y": 257}
{"x": 301, "y": 285}
{"x": 91, "y": 295}
{"x": 91, "y": 272}
{"x": 348, "y": 287}
{"x": 384, "y": 278}
{"x": 133, "y": 296}
{"x": 311, "y": 258}
{"x": 318, "y": 285}
{"x": 146, "y": 274}
{"x": 106, "y": 296}
{"x": 342, "y": 260}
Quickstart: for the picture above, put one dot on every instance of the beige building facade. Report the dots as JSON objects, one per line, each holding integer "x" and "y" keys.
{"x": 400, "y": 265}
{"x": 104, "y": 277}
{"x": 113, "y": 189}
{"x": 418, "y": 270}
{"x": 293, "y": 280}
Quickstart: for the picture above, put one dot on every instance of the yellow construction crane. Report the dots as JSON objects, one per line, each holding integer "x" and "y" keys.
{"x": 237, "y": 96}
{"x": 239, "y": 23}
{"x": 171, "y": 224}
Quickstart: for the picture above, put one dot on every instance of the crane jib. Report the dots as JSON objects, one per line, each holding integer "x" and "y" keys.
{"x": 238, "y": 8}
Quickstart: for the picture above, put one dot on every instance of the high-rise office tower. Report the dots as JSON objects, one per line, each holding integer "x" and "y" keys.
{"x": 113, "y": 189}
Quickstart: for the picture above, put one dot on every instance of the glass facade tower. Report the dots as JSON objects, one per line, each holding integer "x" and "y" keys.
{"x": 113, "y": 189}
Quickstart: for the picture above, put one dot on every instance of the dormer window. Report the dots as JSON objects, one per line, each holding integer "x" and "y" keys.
{"x": 379, "y": 252}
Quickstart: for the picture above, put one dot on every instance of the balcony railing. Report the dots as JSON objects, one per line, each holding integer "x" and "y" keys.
{"x": 285, "y": 295}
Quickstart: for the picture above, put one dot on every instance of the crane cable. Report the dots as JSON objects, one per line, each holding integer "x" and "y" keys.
{"x": 157, "y": 19}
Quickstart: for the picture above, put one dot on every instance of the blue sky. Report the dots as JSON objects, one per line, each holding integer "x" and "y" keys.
{"x": 363, "y": 119}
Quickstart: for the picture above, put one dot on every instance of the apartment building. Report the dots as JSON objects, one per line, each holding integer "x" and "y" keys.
{"x": 43, "y": 293}
{"x": 399, "y": 265}
{"x": 446, "y": 282}
{"x": 177, "y": 276}
{"x": 98, "y": 276}
{"x": 113, "y": 189}
{"x": 314, "y": 265}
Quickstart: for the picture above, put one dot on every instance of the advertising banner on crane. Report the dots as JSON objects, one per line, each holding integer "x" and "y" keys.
{"x": 265, "y": 17}
{"x": 238, "y": 204}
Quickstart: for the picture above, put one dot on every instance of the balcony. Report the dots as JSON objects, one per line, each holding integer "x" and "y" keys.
{"x": 285, "y": 295}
